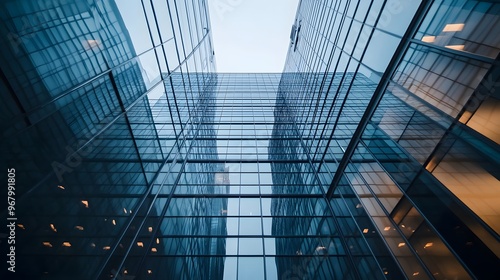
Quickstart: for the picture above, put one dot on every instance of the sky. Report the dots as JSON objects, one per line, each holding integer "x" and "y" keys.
{"x": 251, "y": 35}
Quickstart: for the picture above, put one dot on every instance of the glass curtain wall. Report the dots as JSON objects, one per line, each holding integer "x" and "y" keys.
{"x": 374, "y": 155}
{"x": 399, "y": 100}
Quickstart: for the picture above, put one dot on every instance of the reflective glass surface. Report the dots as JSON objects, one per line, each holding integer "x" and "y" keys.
{"x": 374, "y": 155}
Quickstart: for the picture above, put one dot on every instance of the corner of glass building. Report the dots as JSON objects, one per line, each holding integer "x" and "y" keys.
{"x": 374, "y": 155}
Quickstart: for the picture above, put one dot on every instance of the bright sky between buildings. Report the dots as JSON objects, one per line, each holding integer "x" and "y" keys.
{"x": 251, "y": 35}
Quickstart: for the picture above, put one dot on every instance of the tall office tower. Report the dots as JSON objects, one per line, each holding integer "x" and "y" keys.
{"x": 101, "y": 102}
{"x": 374, "y": 155}
{"x": 395, "y": 104}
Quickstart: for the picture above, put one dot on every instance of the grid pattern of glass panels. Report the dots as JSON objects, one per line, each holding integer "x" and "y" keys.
{"x": 99, "y": 101}
{"x": 374, "y": 155}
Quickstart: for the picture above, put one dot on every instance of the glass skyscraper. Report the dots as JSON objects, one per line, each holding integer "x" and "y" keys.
{"x": 374, "y": 155}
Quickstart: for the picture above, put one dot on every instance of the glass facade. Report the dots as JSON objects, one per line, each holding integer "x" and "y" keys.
{"x": 374, "y": 155}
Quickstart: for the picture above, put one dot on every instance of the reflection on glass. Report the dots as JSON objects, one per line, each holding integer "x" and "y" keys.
{"x": 464, "y": 26}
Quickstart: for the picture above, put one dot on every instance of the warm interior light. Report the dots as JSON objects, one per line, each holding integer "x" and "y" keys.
{"x": 358, "y": 205}
{"x": 47, "y": 244}
{"x": 66, "y": 244}
{"x": 90, "y": 44}
{"x": 157, "y": 240}
{"x": 150, "y": 271}
{"x": 416, "y": 273}
{"x": 140, "y": 244}
{"x": 21, "y": 226}
{"x": 456, "y": 47}
{"x": 79, "y": 227}
{"x": 86, "y": 203}
{"x": 453, "y": 27}
{"x": 401, "y": 244}
{"x": 427, "y": 245}
{"x": 365, "y": 230}
{"x": 150, "y": 229}
{"x": 61, "y": 187}
{"x": 124, "y": 210}
{"x": 429, "y": 39}
{"x": 153, "y": 250}
{"x": 53, "y": 228}
{"x": 114, "y": 222}
{"x": 387, "y": 228}
{"x": 125, "y": 271}
{"x": 106, "y": 247}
